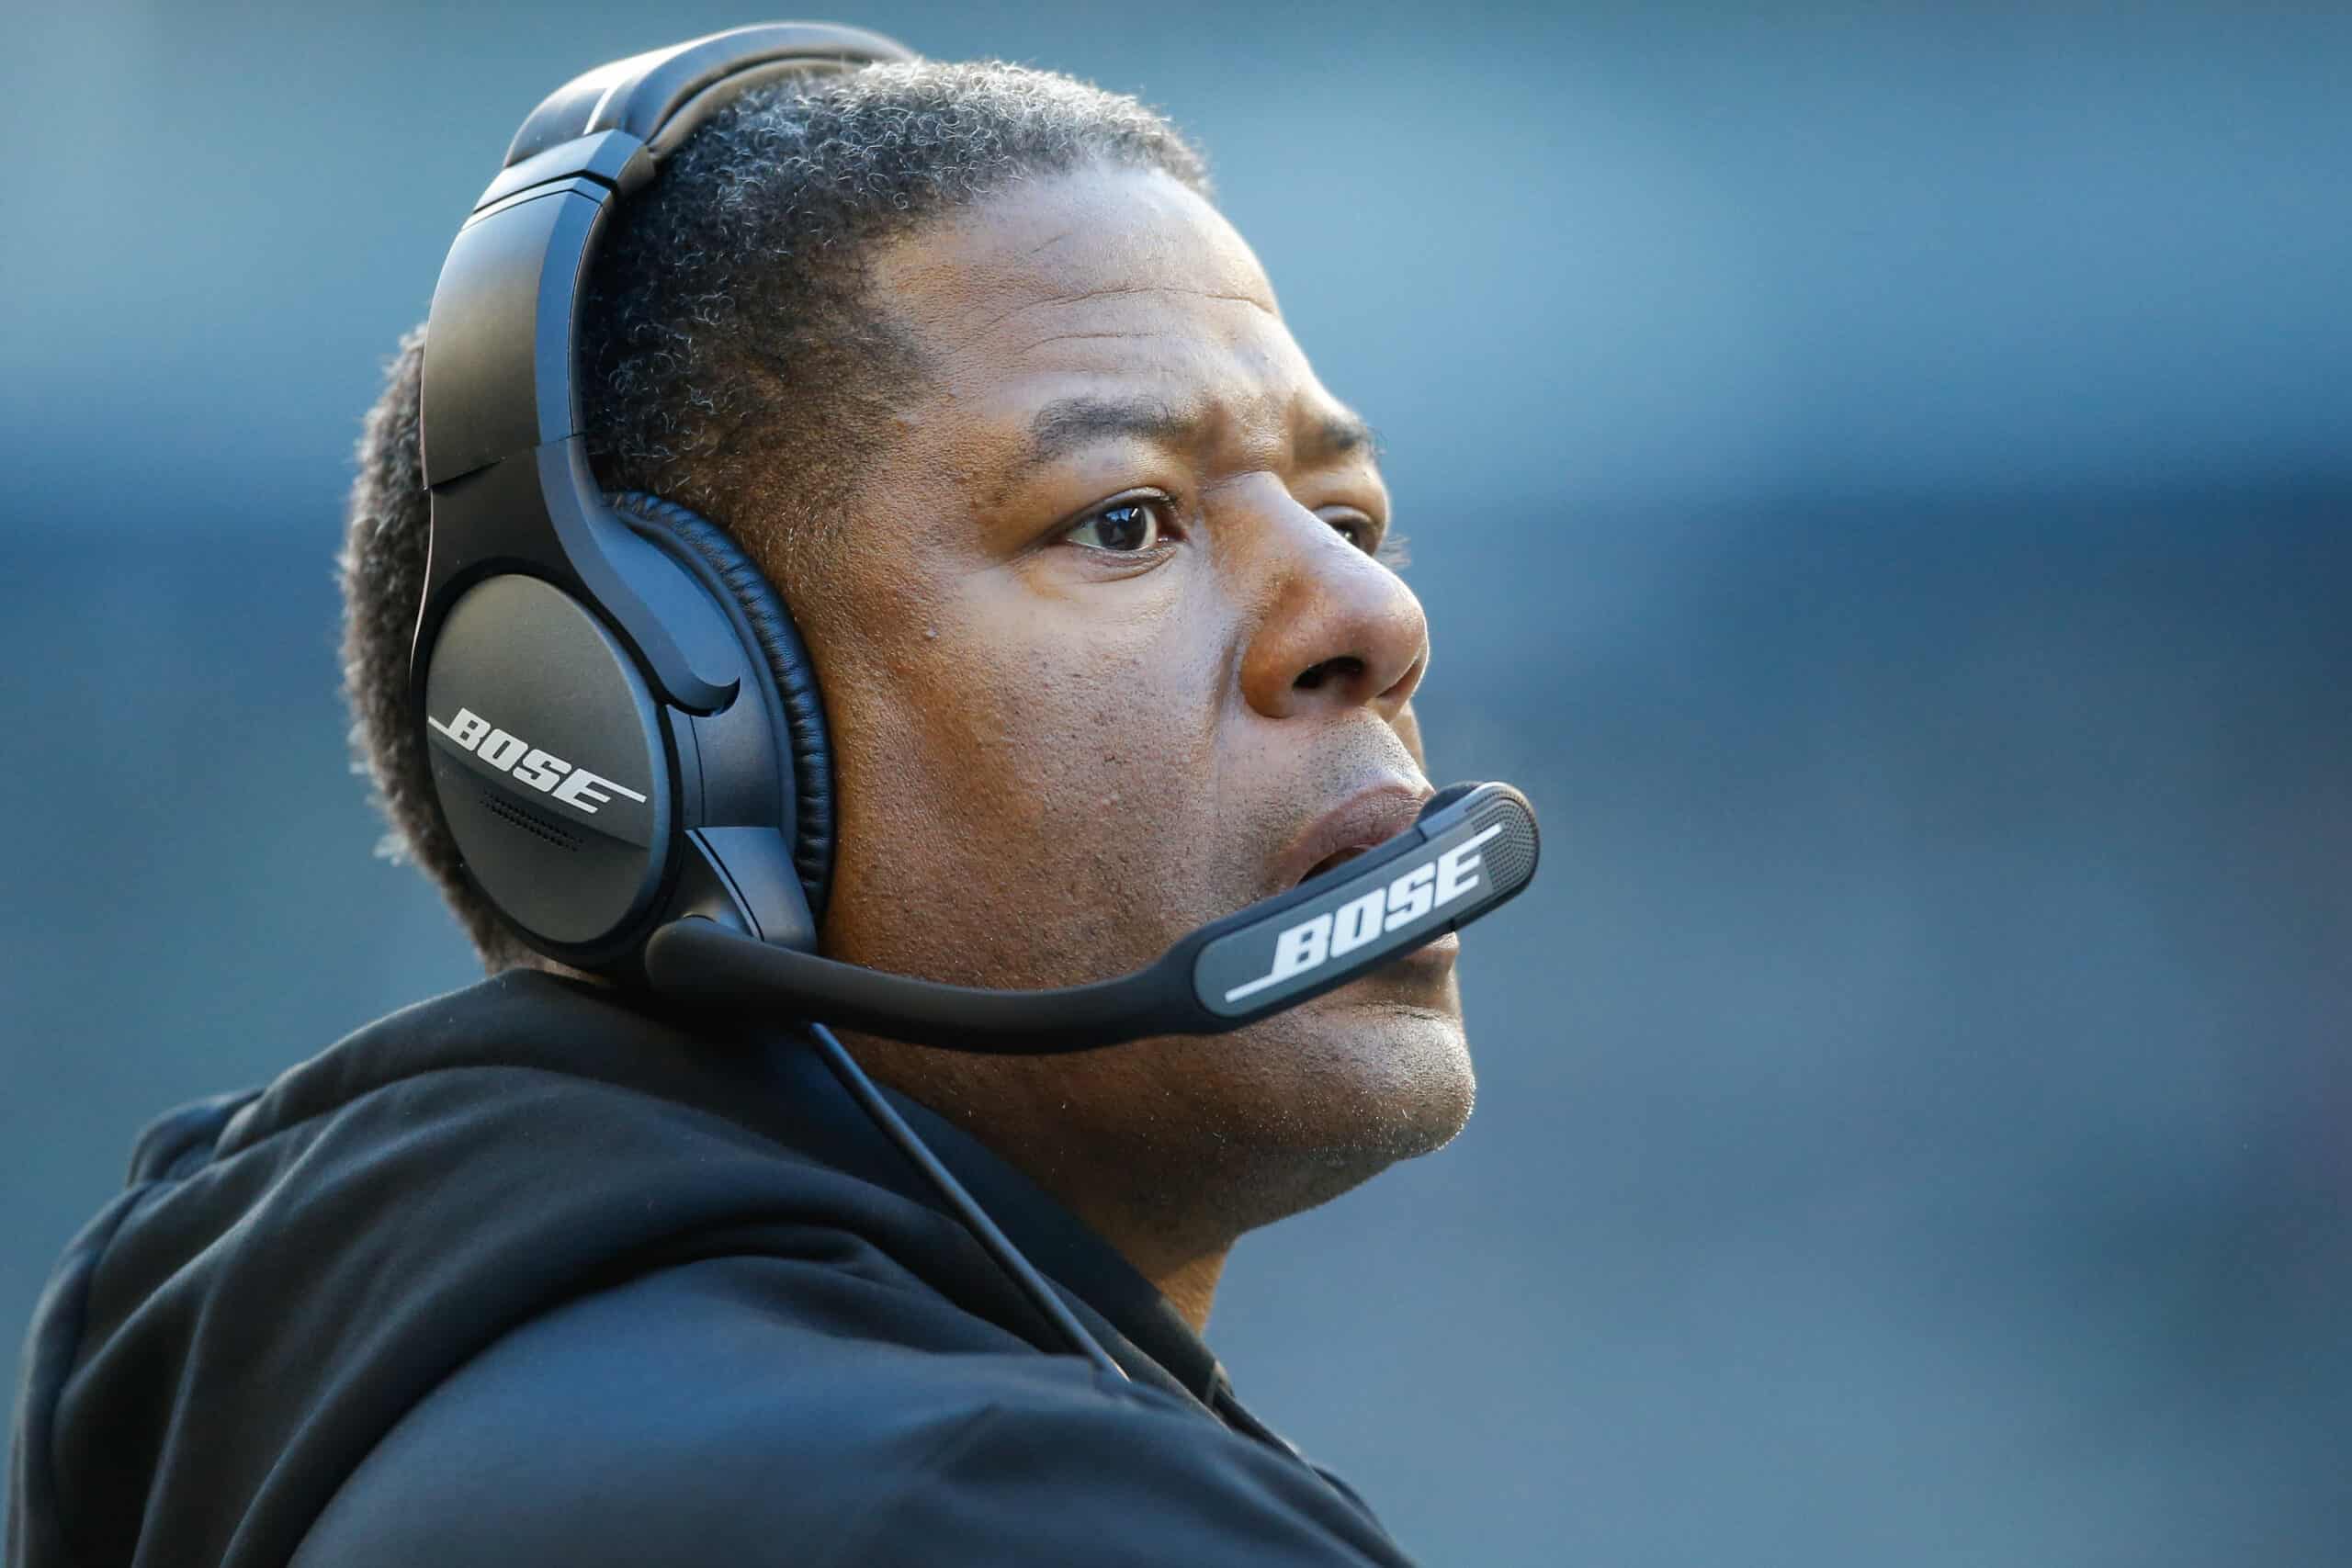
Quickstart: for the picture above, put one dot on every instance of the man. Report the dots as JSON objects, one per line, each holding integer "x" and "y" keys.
{"x": 1090, "y": 567}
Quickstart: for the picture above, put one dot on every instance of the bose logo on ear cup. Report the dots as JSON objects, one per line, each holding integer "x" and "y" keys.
{"x": 517, "y": 758}
{"x": 1314, "y": 943}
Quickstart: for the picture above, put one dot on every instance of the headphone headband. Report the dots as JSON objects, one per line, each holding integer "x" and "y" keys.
{"x": 660, "y": 96}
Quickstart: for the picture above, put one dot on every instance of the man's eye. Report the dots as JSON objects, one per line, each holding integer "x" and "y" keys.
{"x": 1356, "y": 530}
{"x": 1124, "y": 527}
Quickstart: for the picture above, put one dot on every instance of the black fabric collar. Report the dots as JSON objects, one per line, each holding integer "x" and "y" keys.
{"x": 1106, "y": 1290}
{"x": 770, "y": 1080}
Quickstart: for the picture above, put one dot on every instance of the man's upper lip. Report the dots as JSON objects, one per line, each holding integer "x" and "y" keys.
{"x": 1370, "y": 817}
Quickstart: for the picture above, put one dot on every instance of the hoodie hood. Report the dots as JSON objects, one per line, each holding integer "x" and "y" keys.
{"x": 292, "y": 1270}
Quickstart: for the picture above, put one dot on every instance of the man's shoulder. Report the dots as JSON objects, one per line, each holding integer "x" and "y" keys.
{"x": 691, "y": 1416}
{"x": 705, "y": 1402}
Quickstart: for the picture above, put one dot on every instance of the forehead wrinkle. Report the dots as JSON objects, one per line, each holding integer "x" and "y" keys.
{"x": 1078, "y": 337}
{"x": 1126, "y": 290}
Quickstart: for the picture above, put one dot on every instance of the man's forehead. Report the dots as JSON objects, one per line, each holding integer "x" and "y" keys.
{"x": 1103, "y": 306}
{"x": 1116, "y": 247}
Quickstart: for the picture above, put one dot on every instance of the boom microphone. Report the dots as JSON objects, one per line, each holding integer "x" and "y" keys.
{"x": 1471, "y": 850}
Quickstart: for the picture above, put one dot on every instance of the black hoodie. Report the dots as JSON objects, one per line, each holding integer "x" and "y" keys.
{"x": 524, "y": 1275}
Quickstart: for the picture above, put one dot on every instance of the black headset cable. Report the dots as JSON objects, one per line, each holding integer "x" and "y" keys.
{"x": 976, "y": 1219}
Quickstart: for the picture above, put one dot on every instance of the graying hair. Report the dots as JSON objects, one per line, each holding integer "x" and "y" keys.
{"x": 732, "y": 358}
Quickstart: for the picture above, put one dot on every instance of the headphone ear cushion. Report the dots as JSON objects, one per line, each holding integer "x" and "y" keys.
{"x": 802, "y": 707}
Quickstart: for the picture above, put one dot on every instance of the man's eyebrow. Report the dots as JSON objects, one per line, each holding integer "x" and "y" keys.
{"x": 1067, "y": 425}
{"x": 1339, "y": 433}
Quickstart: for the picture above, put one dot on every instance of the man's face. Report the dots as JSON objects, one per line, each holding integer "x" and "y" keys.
{"x": 1108, "y": 655}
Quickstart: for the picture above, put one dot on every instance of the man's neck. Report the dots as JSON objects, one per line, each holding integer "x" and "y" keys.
{"x": 1162, "y": 1224}
{"x": 1191, "y": 1287}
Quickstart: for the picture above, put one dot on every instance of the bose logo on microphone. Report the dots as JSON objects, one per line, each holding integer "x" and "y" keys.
{"x": 525, "y": 762}
{"x": 1313, "y": 943}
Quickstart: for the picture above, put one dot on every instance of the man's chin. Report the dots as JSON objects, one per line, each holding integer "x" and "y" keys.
{"x": 1341, "y": 1088}
{"x": 1385, "y": 1071}
{"x": 1415, "y": 1053}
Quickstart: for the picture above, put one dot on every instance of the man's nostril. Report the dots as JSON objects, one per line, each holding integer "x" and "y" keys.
{"x": 1313, "y": 675}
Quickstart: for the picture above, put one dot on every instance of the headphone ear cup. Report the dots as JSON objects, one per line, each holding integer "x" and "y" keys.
{"x": 797, "y": 699}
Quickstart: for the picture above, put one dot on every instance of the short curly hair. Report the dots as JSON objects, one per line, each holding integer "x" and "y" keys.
{"x": 732, "y": 357}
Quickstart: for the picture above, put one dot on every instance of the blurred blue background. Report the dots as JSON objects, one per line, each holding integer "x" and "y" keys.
{"x": 1879, "y": 478}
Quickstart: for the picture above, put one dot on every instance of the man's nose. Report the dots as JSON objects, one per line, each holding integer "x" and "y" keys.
{"x": 1339, "y": 629}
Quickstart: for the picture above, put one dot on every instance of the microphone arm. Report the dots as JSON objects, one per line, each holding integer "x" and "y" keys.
{"x": 1472, "y": 849}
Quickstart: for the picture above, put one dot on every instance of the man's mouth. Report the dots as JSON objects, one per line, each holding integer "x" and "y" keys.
{"x": 1337, "y": 857}
{"x": 1364, "y": 820}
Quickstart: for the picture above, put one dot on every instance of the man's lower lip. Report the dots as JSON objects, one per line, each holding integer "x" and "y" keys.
{"x": 1436, "y": 953}
{"x": 1412, "y": 977}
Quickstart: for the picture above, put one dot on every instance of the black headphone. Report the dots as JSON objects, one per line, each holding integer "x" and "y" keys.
{"x": 628, "y": 743}
{"x": 623, "y": 726}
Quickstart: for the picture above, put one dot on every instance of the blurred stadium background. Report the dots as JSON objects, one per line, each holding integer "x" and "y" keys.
{"x": 1879, "y": 478}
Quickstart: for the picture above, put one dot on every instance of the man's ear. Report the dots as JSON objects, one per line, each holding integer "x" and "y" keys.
{"x": 1409, "y": 726}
